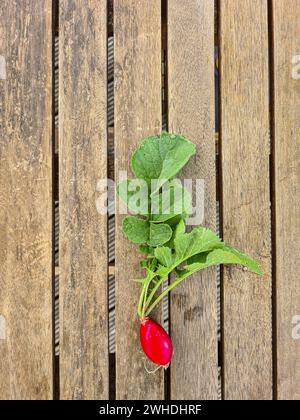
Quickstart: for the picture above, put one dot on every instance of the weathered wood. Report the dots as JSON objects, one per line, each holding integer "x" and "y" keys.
{"x": 194, "y": 369}
{"x": 83, "y": 231}
{"x": 247, "y": 333}
{"x": 137, "y": 32}
{"x": 26, "y": 200}
{"x": 286, "y": 18}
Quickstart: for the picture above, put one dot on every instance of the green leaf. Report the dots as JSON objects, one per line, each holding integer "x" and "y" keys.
{"x": 178, "y": 227}
{"x": 173, "y": 200}
{"x": 198, "y": 240}
{"x": 136, "y": 230}
{"x": 134, "y": 193}
{"x": 162, "y": 272}
{"x": 243, "y": 259}
{"x": 175, "y": 220}
{"x": 164, "y": 256}
{"x": 225, "y": 255}
{"x": 160, "y": 158}
{"x": 143, "y": 263}
{"x": 159, "y": 234}
{"x": 145, "y": 249}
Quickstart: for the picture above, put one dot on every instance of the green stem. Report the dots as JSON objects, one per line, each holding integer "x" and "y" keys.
{"x": 165, "y": 292}
{"x": 159, "y": 283}
{"x": 154, "y": 290}
{"x": 141, "y": 301}
{"x": 147, "y": 283}
{"x": 144, "y": 293}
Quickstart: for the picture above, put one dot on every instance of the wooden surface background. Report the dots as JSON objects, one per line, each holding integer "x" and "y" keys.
{"x": 26, "y": 200}
{"x": 81, "y": 83}
{"x": 193, "y": 308}
{"x": 82, "y": 231}
{"x": 246, "y": 212}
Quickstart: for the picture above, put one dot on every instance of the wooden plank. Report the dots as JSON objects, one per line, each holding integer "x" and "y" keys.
{"x": 83, "y": 232}
{"x": 194, "y": 369}
{"x": 247, "y": 332}
{"x": 137, "y": 34}
{"x": 286, "y": 18}
{"x": 26, "y": 200}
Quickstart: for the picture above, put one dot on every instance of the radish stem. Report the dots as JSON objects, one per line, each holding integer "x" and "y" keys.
{"x": 144, "y": 292}
{"x": 154, "y": 290}
{"x": 165, "y": 292}
{"x": 141, "y": 301}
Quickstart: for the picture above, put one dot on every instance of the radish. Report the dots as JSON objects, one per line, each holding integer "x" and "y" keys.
{"x": 155, "y": 342}
{"x": 162, "y": 206}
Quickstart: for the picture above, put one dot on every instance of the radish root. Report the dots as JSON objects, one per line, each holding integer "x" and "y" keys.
{"x": 151, "y": 372}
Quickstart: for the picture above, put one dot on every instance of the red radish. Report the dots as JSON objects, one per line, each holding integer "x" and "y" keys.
{"x": 155, "y": 342}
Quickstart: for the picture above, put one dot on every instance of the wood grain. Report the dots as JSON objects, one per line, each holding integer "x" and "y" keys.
{"x": 247, "y": 332}
{"x": 83, "y": 231}
{"x": 286, "y": 30}
{"x": 194, "y": 369}
{"x": 26, "y": 201}
{"x": 137, "y": 26}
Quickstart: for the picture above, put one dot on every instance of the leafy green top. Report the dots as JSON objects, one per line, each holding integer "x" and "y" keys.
{"x": 161, "y": 158}
{"x": 162, "y": 205}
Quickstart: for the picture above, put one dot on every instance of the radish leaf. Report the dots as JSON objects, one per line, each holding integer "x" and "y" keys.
{"x": 145, "y": 249}
{"x": 134, "y": 193}
{"x": 161, "y": 231}
{"x": 136, "y": 230}
{"x": 177, "y": 230}
{"x": 161, "y": 158}
{"x": 172, "y": 201}
{"x": 159, "y": 234}
{"x": 198, "y": 240}
{"x": 164, "y": 256}
{"x": 225, "y": 255}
